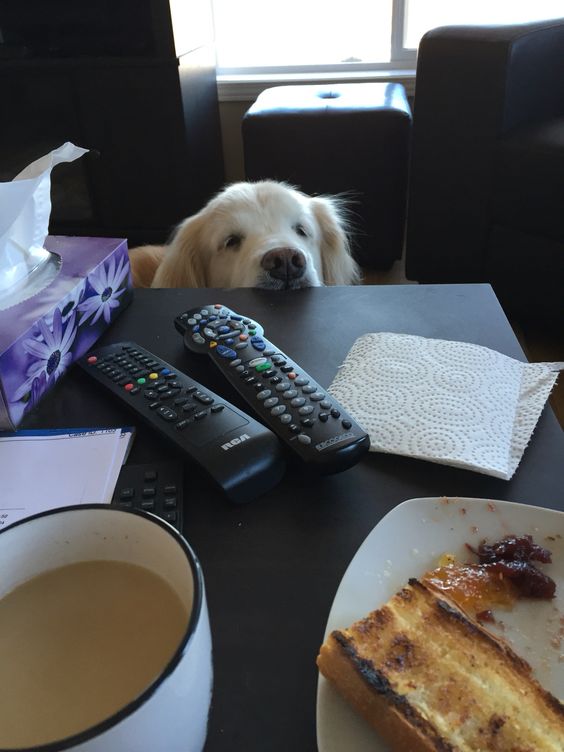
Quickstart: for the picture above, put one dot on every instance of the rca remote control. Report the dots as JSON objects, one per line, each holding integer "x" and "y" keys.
{"x": 287, "y": 399}
{"x": 238, "y": 453}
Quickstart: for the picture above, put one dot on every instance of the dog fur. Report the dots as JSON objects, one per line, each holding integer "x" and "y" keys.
{"x": 265, "y": 234}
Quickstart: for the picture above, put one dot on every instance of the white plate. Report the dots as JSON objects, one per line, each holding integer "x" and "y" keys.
{"x": 406, "y": 543}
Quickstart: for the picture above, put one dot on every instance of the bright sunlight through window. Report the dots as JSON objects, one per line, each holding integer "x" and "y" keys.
{"x": 254, "y": 35}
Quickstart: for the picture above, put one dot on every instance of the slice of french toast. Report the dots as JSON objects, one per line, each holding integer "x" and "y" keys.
{"x": 428, "y": 678}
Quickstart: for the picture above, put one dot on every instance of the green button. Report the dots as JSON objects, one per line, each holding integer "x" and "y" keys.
{"x": 141, "y": 381}
{"x": 263, "y": 366}
{"x": 252, "y": 332}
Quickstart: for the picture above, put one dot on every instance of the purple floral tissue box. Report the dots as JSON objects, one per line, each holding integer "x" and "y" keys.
{"x": 41, "y": 336}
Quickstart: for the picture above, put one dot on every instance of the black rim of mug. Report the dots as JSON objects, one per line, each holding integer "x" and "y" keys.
{"x": 83, "y": 736}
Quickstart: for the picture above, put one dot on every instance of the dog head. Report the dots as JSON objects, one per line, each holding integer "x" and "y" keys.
{"x": 264, "y": 234}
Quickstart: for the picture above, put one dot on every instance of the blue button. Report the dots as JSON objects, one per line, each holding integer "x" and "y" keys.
{"x": 258, "y": 343}
{"x": 212, "y": 318}
{"x": 225, "y": 352}
{"x": 165, "y": 371}
{"x": 229, "y": 341}
{"x": 236, "y": 318}
{"x": 223, "y": 329}
{"x": 196, "y": 328}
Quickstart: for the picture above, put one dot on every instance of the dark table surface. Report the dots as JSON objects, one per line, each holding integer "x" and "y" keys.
{"x": 272, "y": 567}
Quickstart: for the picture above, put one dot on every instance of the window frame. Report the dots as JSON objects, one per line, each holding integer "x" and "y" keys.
{"x": 401, "y": 59}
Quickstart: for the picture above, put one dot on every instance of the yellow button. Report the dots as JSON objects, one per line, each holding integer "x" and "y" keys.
{"x": 153, "y": 375}
{"x": 213, "y": 343}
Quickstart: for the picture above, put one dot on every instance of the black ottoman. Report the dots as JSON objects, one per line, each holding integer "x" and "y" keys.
{"x": 351, "y": 139}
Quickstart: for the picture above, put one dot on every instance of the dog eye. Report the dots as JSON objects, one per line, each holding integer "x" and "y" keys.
{"x": 300, "y": 230}
{"x": 232, "y": 241}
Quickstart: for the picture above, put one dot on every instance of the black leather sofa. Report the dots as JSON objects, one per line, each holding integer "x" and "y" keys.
{"x": 486, "y": 187}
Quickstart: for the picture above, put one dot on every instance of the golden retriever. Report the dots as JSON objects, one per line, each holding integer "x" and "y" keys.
{"x": 265, "y": 234}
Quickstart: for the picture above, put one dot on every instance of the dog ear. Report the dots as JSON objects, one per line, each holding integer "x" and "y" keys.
{"x": 339, "y": 268}
{"x": 183, "y": 264}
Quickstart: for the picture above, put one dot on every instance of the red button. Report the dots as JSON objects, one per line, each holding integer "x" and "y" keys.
{"x": 92, "y": 359}
{"x": 128, "y": 387}
{"x": 218, "y": 305}
{"x": 291, "y": 375}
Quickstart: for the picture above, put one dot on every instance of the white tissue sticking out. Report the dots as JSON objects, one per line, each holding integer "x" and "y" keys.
{"x": 25, "y": 208}
{"x": 449, "y": 402}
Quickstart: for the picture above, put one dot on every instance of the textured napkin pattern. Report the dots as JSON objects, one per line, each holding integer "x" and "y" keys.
{"x": 449, "y": 402}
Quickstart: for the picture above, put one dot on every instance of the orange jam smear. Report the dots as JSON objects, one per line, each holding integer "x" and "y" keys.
{"x": 474, "y": 587}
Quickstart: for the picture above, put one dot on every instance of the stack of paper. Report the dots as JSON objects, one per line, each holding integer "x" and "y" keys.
{"x": 45, "y": 469}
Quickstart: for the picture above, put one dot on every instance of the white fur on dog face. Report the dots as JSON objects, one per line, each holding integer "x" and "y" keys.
{"x": 224, "y": 244}
{"x": 246, "y": 225}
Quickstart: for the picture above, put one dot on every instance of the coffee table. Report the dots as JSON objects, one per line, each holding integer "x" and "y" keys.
{"x": 272, "y": 567}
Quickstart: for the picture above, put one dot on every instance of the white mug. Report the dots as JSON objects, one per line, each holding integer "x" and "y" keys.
{"x": 172, "y": 712}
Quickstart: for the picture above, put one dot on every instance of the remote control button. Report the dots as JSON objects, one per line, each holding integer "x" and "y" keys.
{"x": 166, "y": 413}
{"x": 125, "y": 503}
{"x": 191, "y": 389}
{"x": 189, "y": 408}
{"x": 297, "y": 401}
{"x": 217, "y": 408}
{"x": 168, "y": 394}
{"x": 287, "y": 369}
{"x": 92, "y": 359}
{"x": 263, "y": 366}
{"x": 249, "y": 379}
{"x": 240, "y": 369}
{"x": 162, "y": 388}
{"x": 270, "y": 402}
{"x": 204, "y": 399}
{"x": 258, "y": 343}
{"x": 317, "y": 397}
{"x": 209, "y": 332}
{"x": 126, "y": 493}
{"x": 169, "y": 489}
{"x": 224, "y": 330}
{"x": 191, "y": 321}
{"x": 128, "y": 387}
{"x": 310, "y": 389}
{"x": 279, "y": 360}
{"x": 263, "y": 394}
{"x": 226, "y": 352}
{"x": 268, "y": 374}
{"x": 141, "y": 381}
{"x": 153, "y": 376}
{"x": 282, "y": 386}
{"x": 198, "y": 339}
{"x": 243, "y": 337}
{"x": 256, "y": 362}
{"x": 304, "y": 439}
{"x": 154, "y": 405}
{"x": 234, "y": 363}
{"x": 258, "y": 387}
{"x": 346, "y": 424}
{"x": 213, "y": 343}
{"x": 325, "y": 404}
{"x": 301, "y": 381}
{"x": 235, "y": 317}
{"x": 148, "y": 504}
{"x": 305, "y": 410}
{"x": 148, "y": 493}
{"x": 170, "y": 516}
{"x": 275, "y": 380}
{"x": 308, "y": 422}
{"x": 198, "y": 316}
{"x": 150, "y": 394}
{"x": 135, "y": 390}
{"x": 165, "y": 371}
{"x": 241, "y": 345}
{"x": 150, "y": 476}
{"x": 323, "y": 417}
{"x": 171, "y": 375}
{"x": 286, "y": 418}
{"x": 200, "y": 415}
{"x": 294, "y": 428}
{"x": 196, "y": 328}
{"x": 335, "y": 413}
{"x": 170, "y": 502}
{"x": 278, "y": 410}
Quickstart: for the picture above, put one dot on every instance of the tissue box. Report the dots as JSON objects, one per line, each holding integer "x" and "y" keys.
{"x": 40, "y": 337}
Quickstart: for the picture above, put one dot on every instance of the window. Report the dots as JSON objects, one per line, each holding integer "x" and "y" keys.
{"x": 263, "y": 36}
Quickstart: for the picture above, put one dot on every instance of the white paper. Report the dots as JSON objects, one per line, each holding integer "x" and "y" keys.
{"x": 42, "y": 471}
{"x": 25, "y": 209}
{"x": 450, "y": 402}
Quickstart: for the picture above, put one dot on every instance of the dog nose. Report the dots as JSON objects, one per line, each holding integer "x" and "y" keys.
{"x": 284, "y": 263}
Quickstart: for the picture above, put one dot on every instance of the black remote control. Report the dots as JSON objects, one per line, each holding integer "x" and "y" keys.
{"x": 238, "y": 453}
{"x": 155, "y": 488}
{"x": 287, "y": 399}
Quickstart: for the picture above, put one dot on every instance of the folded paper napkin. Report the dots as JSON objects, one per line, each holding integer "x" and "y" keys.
{"x": 449, "y": 402}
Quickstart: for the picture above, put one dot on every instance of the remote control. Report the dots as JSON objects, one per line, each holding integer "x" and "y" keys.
{"x": 287, "y": 399}
{"x": 238, "y": 453}
{"x": 155, "y": 488}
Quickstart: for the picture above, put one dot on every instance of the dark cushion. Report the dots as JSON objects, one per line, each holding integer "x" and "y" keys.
{"x": 528, "y": 191}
